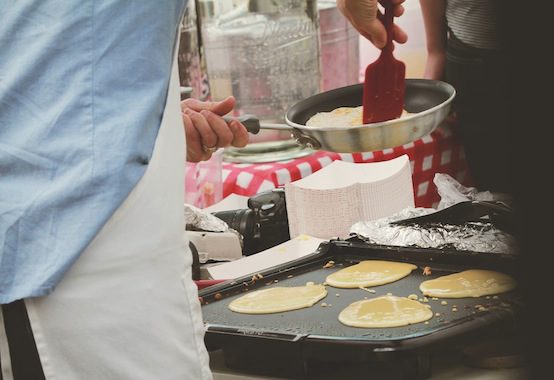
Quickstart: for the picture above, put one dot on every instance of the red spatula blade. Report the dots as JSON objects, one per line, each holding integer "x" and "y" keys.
{"x": 384, "y": 84}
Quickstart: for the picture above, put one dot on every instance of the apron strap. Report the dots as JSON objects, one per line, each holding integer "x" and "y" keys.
{"x": 23, "y": 354}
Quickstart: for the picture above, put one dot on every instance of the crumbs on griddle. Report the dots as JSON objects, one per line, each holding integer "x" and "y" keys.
{"x": 367, "y": 290}
{"x": 256, "y": 277}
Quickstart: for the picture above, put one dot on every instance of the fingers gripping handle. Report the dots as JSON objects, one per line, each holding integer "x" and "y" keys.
{"x": 251, "y": 122}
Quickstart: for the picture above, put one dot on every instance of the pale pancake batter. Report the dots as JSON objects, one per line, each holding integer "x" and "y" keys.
{"x": 278, "y": 299}
{"x": 385, "y": 311}
{"x": 340, "y": 117}
{"x": 469, "y": 283}
{"x": 369, "y": 273}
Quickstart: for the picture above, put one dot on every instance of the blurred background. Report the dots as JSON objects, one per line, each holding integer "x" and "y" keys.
{"x": 269, "y": 55}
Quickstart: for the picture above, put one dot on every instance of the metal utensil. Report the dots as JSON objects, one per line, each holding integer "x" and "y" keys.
{"x": 496, "y": 212}
{"x": 428, "y": 100}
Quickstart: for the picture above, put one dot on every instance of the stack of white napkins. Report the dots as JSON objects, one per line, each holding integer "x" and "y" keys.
{"x": 328, "y": 202}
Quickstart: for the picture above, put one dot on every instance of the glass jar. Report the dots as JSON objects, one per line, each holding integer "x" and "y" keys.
{"x": 192, "y": 72}
{"x": 263, "y": 52}
{"x": 340, "y": 57}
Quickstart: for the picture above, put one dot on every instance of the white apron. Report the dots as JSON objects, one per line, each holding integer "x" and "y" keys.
{"x": 128, "y": 308}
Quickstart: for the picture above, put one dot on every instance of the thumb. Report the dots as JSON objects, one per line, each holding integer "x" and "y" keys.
{"x": 224, "y": 106}
{"x": 376, "y": 33}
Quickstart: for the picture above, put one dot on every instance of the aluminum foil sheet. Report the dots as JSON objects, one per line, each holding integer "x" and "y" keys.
{"x": 472, "y": 236}
{"x": 198, "y": 219}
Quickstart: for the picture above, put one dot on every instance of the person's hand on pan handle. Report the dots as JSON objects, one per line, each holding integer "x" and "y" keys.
{"x": 206, "y": 130}
{"x": 365, "y": 16}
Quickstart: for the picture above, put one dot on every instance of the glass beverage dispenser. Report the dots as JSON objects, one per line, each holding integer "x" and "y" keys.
{"x": 263, "y": 52}
{"x": 191, "y": 72}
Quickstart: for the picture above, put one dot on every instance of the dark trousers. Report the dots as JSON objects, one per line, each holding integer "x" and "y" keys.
{"x": 481, "y": 84}
{"x": 25, "y": 361}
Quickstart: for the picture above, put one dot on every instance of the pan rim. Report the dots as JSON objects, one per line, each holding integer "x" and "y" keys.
{"x": 383, "y": 123}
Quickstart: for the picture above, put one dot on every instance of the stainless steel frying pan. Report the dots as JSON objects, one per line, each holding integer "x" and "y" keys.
{"x": 428, "y": 100}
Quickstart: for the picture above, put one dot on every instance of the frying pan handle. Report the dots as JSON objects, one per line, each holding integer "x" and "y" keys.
{"x": 253, "y": 125}
{"x": 251, "y": 122}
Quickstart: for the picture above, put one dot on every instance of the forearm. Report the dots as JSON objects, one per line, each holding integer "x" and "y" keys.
{"x": 434, "y": 66}
{"x": 434, "y": 20}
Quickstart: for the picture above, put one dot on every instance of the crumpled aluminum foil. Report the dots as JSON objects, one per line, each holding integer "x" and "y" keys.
{"x": 203, "y": 221}
{"x": 197, "y": 219}
{"x": 472, "y": 236}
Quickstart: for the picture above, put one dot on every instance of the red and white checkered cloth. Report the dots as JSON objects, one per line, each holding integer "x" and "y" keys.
{"x": 439, "y": 152}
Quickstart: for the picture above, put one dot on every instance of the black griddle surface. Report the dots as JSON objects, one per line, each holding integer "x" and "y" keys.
{"x": 322, "y": 324}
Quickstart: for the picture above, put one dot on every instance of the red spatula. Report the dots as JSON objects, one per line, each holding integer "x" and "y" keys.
{"x": 384, "y": 83}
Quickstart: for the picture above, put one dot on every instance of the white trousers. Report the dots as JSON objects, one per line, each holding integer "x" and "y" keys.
{"x": 128, "y": 308}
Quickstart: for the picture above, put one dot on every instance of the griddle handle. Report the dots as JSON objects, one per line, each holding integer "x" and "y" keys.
{"x": 251, "y": 122}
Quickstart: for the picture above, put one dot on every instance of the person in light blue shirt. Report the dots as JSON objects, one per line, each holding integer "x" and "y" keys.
{"x": 92, "y": 156}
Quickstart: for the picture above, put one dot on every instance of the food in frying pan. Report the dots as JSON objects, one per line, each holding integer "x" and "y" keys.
{"x": 385, "y": 311}
{"x": 340, "y": 117}
{"x": 278, "y": 299}
{"x": 469, "y": 283}
{"x": 369, "y": 273}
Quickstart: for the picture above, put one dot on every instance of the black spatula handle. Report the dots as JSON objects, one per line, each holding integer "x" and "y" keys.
{"x": 251, "y": 122}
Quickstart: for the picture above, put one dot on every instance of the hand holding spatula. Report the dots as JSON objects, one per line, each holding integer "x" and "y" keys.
{"x": 383, "y": 97}
{"x": 384, "y": 84}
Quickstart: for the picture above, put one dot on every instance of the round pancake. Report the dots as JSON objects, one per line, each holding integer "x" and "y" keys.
{"x": 385, "y": 311}
{"x": 278, "y": 299}
{"x": 469, "y": 283}
{"x": 341, "y": 117}
{"x": 369, "y": 273}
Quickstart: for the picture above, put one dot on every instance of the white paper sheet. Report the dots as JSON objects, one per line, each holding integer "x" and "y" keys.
{"x": 290, "y": 250}
{"x": 231, "y": 202}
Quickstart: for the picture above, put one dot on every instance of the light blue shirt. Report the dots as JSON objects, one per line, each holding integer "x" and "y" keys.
{"x": 83, "y": 85}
